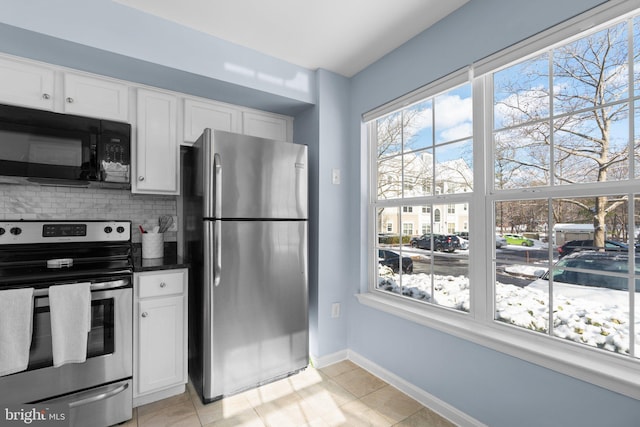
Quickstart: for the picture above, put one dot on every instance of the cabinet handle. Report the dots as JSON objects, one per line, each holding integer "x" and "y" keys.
{"x": 46, "y": 96}
{"x": 70, "y": 100}
{"x": 141, "y": 178}
{"x": 145, "y": 314}
{"x": 162, "y": 284}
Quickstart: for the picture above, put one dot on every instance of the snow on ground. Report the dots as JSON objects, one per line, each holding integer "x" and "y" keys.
{"x": 583, "y": 321}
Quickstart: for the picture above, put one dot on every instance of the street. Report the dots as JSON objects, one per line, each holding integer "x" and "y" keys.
{"x": 457, "y": 263}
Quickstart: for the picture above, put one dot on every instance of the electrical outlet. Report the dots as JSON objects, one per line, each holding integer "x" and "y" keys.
{"x": 335, "y": 176}
{"x": 335, "y": 310}
{"x": 174, "y": 225}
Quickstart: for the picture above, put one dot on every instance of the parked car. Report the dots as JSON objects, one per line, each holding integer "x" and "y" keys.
{"x": 463, "y": 234}
{"x": 391, "y": 259}
{"x": 500, "y": 241}
{"x": 590, "y": 283}
{"x": 517, "y": 239}
{"x": 581, "y": 245}
{"x": 440, "y": 242}
{"x": 459, "y": 242}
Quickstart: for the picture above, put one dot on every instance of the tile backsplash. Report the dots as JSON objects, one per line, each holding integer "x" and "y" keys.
{"x": 44, "y": 202}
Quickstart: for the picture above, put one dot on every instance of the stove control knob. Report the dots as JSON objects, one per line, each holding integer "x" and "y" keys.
{"x": 108, "y": 229}
{"x": 120, "y": 229}
{"x": 15, "y": 231}
{"x": 2, "y": 230}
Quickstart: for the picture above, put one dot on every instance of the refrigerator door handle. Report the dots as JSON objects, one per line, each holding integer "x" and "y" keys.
{"x": 217, "y": 166}
{"x": 217, "y": 199}
{"x": 218, "y": 253}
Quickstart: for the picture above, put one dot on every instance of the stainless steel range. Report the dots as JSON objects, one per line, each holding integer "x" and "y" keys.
{"x": 45, "y": 254}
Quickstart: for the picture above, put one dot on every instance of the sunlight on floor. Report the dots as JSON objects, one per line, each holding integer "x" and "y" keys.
{"x": 342, "y": 394}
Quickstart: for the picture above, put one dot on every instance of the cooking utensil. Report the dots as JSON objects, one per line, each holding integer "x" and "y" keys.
{"x": 165, "y": 222}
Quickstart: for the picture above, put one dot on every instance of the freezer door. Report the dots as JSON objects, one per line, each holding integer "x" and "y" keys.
{"x": 259, "y": 299}
{"x": 249, "y": 177}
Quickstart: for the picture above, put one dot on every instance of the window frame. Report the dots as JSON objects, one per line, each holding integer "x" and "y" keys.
{"x": 609, "y": 370}
{"x": 437, "y": 202}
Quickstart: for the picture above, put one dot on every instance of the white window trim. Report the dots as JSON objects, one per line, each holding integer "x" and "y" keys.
{"x": 615, "y": 372}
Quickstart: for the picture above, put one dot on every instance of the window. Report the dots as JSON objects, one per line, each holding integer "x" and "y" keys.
{"x": 562, "y": 122}
{"x": 422, "y": 149}
{"x": 407, "y": 229}
{"x": 559, "y": 128}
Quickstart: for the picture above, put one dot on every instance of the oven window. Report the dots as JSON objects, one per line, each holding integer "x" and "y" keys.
{"x": 99, "y": 342}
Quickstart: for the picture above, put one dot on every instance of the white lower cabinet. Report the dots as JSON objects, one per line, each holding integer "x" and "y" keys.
{"x": 160, "y": 335}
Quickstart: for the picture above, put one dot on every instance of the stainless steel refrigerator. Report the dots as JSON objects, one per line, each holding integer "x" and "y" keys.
{"x": 245, "y": 212}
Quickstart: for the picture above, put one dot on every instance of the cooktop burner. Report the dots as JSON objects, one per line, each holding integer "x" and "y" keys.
{"x": 33, "y": 252}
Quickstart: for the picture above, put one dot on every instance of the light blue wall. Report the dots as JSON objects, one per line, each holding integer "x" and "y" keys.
{"x": 325, "y": 129}
{"x": 337, "y": 263}
{"x": 492, "y": 387}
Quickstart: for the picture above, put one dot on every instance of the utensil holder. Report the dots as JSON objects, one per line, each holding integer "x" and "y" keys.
{"x": 152, "y": 245}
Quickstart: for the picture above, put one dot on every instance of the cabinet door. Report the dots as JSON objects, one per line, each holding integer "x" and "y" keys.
{"x": 157, "y": 149}
{"x": 201, "y": 115}
{"x": 88, "y": 96}
{"x": 26, "y": 85}
{"x": 160, "y": 343}
{"x": 265, "y": 126}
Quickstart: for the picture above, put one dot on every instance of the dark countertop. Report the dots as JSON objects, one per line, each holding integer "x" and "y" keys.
{"x": 169, "y": 261}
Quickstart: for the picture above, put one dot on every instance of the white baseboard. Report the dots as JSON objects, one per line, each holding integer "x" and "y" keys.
{"x": 440, "y": 407}
{"x": 321, "y": 362}
{"x": 163, "y": 394}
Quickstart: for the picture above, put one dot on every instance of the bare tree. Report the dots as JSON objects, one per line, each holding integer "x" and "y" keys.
{"x": 587, "y": 93}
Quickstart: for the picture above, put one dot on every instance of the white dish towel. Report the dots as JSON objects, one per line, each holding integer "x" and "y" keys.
{"x": 16, "y": 327}
{"x": 70, "y": 307}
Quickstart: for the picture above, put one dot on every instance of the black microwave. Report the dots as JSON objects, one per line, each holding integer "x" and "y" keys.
{"x": 60, "y": 149}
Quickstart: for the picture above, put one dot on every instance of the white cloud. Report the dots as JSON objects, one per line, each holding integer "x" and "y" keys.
{"x": 451, "y": 111}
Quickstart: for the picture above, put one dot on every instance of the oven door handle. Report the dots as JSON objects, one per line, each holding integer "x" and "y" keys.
{"x": 43, "y": 292}
{"x": 90, "y": 396}
{"x": 98, "y": 397}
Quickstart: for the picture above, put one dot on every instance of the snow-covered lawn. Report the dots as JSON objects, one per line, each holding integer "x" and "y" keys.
{"x": 585, "y": 321}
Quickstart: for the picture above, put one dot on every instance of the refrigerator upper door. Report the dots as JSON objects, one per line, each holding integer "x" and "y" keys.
{"x": 249, "y": 177}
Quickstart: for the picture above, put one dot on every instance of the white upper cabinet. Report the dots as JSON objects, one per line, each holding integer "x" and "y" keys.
{"x": 266, "y": 125}
{"x": 89, "y": 96}
{"x": 200, "y": 115}
{"x": 31, "y": 85}
{"x": 26, "y": 84}
{"x": 157, "y": 148}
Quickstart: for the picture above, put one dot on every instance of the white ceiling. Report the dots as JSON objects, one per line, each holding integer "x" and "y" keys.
{"x": 343, "y": 36}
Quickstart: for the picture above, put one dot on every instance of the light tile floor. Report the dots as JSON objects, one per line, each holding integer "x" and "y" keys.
{"x": 342, "y": 394}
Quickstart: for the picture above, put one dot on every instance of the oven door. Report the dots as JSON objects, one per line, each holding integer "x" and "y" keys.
{"x": 109, "y": 348}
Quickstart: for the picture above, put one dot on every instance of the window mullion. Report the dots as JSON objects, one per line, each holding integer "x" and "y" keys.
{"x": 481, "y": 257}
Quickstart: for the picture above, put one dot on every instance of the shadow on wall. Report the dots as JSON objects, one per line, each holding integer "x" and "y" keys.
{"x": 60, "y": 203}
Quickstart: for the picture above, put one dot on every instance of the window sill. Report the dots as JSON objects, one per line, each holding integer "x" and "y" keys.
{"x": 613, "y": 372}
